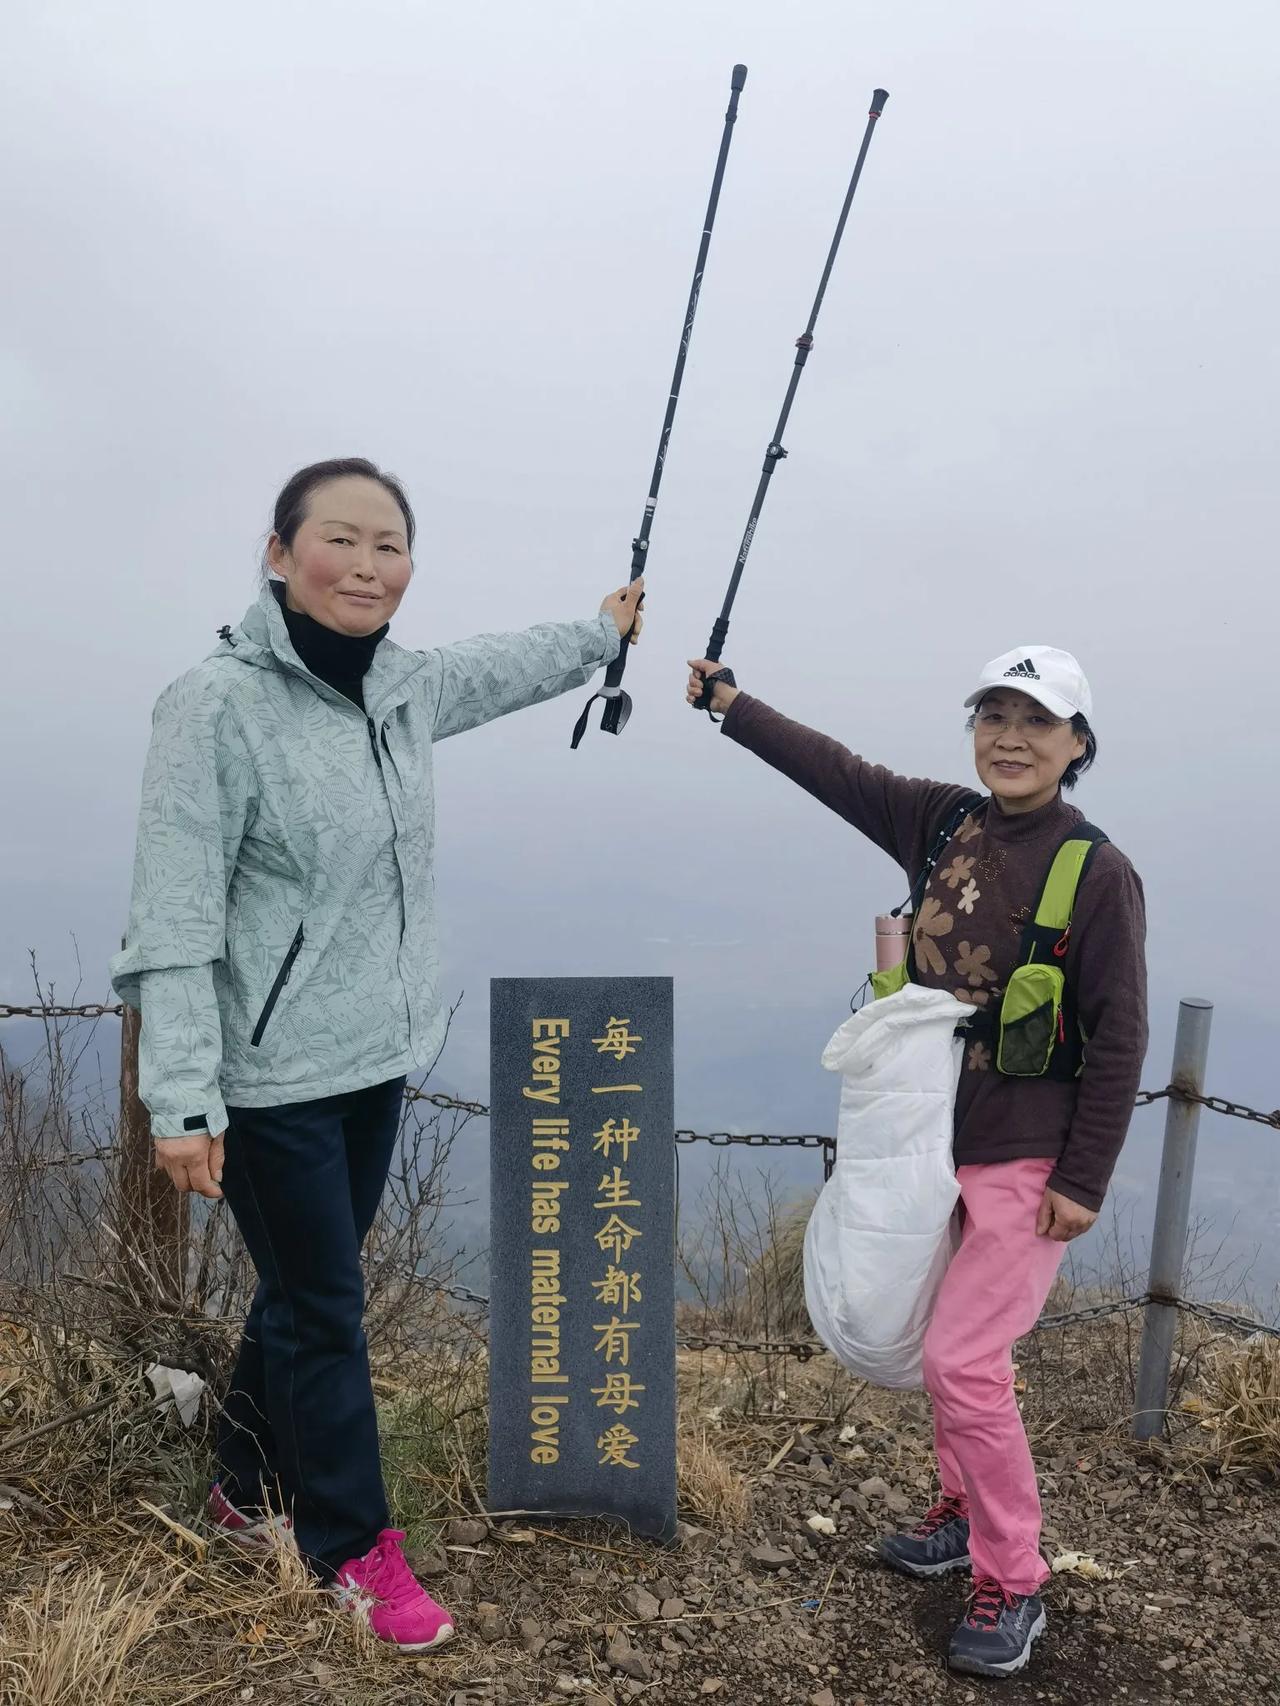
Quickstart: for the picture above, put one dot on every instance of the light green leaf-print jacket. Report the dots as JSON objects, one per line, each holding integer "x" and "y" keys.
{"x": 282, "y": 940}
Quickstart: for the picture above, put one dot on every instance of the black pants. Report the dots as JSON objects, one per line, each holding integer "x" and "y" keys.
{"x": 298, "y": 1428}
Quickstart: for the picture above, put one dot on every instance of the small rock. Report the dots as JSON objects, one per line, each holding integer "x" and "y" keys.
{"x": 1171, "y": 1663}
{"x": 429, "y": 1561}
{"x": 693, "y": 1538}
{"x": 626, "y": 1658}
{"x": 875, "y": 1487}
{"x": 772, "y": 1557}
{"x": 672, "y": 1608}
{"x": 711, "y": 1685}
{"x": 467, "y": 1531}
{"x": 641, "y": 1603}
{"x": 824, "y": 1697}
{"x": 489, "y": 1623}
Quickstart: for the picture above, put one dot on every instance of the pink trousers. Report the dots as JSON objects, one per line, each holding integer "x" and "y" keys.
{"x": 993, "y": 1293}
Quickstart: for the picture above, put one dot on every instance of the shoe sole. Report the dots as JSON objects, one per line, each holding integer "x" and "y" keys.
{"x": 975, "y": 1667}
{"x": 924, "y": 1571}
{"x": 445, "y": 1635}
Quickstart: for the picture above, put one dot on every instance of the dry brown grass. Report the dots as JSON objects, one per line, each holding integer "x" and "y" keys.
{"x": 710, "y": 1488}
{"x": 76, "y": 1636}
{"x": 1239, "y": 1402}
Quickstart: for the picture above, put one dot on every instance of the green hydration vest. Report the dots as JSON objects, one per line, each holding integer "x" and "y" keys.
{"x": 1036, "y": 1030}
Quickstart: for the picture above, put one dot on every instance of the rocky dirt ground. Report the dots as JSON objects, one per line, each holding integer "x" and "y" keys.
{"x": 775, "y": 1612}
{"x": 1172, "y": 1595}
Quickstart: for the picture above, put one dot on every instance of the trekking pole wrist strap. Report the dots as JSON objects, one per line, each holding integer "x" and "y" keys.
{"x": 703, "y": 701}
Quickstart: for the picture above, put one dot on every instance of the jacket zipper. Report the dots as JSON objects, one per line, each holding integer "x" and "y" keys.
{"x": 282, "y": 977}
{"x": 373, "y": 741}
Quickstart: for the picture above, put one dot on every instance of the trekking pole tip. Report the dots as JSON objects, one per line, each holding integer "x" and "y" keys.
{"x": 878, "y": 99}
{"x": 739, "y": 76}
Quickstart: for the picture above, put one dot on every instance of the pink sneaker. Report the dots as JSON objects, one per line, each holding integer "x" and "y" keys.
{"x": 254, "y": 1534}
{"x": 381, "y": 1588}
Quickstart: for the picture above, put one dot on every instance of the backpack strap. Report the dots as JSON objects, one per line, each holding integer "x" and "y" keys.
{"x": 1047, "y": 935}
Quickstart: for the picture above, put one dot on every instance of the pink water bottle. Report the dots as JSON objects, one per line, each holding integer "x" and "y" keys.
{"x": 891, "y": 940}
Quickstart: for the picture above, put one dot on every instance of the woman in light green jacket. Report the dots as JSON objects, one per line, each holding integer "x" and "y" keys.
{"x": 283, "y": 950}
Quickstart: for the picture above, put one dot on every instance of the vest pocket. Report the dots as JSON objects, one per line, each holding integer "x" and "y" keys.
{"x": 889, "y": 982}
{"x": 282, "y": 977}
{"x": 1030, "y": 1019}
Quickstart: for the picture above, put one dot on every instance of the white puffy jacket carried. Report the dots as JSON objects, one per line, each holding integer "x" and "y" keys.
{"x": 883, "y": 1231}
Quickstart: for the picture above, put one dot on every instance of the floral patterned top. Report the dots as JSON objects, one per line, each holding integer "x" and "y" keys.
{"x": 967, "y": 938}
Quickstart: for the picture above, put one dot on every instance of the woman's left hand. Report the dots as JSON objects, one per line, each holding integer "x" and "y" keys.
{"x": 1061, "y": 1219}
{"x": 624, "y": 607}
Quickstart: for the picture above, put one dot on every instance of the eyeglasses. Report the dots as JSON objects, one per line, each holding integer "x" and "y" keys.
{"x": 1031, "y": 724}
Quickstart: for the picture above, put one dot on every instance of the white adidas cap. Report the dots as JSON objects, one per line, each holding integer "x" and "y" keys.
{"x": 1052, "y": 678}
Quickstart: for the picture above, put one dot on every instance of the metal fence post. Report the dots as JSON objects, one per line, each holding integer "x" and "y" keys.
{"x": 1173, "y": 1213}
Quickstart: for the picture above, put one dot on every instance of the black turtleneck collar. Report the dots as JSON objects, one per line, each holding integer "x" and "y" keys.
{"x": 341, "y": 660}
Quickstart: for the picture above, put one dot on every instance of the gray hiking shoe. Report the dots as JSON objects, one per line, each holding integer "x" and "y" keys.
{"x": 939, "y": 1542}
{"x": 996, "y": 1635}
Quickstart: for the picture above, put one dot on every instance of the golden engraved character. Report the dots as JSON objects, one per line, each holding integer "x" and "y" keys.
{"x": 615, "y": 1443}
{"x": 617, "y": 1394}
{"x": 615, "y": 1237}
{"x": 622, "y": 1133}
{"x": 618, "y": 1289}
{"x": 614, "y": 1188}
{"x": 617, "y": 1039}
{"x": 615, "y": 1339}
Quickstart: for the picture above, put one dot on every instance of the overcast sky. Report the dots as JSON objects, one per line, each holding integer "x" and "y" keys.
{"x": 1041, "y": 407}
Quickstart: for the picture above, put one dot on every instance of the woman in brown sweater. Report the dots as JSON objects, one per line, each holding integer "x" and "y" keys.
{"x": 1033, "y": 1155}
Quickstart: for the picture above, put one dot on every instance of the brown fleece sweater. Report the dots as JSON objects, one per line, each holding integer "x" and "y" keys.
{"x": 967, "y": 936}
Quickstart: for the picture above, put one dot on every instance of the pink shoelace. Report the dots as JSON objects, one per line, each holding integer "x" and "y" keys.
{"x": 989, "y": 1600}
{"x": 385, "y": 1573}
{"x": 945, "y": 1511}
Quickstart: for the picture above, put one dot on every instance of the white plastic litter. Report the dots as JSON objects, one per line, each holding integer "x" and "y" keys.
{"x": 179, "y": 1385}
{"x": 821, "y": 1524}
{"x": 883, "y": 1230}
{"x": 1082, "y": 1564}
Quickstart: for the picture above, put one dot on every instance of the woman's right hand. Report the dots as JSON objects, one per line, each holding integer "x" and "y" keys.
{"x": 722, "y": 695}
{"x": 193, "y": 1163}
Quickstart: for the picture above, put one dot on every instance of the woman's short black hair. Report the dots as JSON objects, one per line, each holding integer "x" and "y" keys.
{"x": 1077, "y": 767}
{"x": 291, "y": 505}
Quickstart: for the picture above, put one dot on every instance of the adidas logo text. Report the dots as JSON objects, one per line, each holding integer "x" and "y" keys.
{"x": 1025, "y": 671}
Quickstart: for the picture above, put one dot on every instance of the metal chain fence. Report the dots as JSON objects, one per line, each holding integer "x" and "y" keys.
{"x": 805, "y": 1349}
{"x": 801, "y": 1349}
{"x": 753, "y": 1140}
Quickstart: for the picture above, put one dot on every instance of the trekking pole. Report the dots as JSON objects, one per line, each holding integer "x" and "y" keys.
{"x": 774, "y": 454}
{"x": 617, "y": 703}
